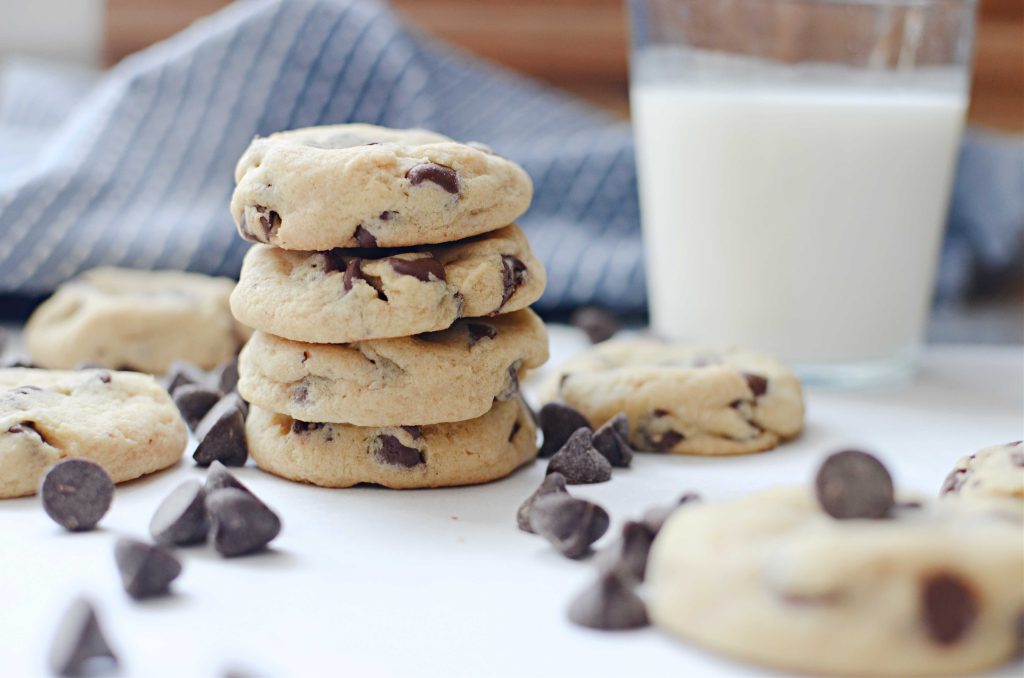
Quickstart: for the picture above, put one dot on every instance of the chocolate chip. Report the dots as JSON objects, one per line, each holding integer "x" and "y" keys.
{"x": 194, "y": 401}
{"x": 28, "y": 427}
{"x": 77, "y": 493}
{"x": 219, "y": 477}
{"x": 948, "y": 607}
{"x": 390, "y": 451}
{"x": 387, "y": 215}
{"x": 478, "y": 331}
{"x": 181, "y": 517}
{"x": 553, "y": 483}
{"x": 226, "y": 376}
{"x": 954, "y": 481}
{"x": 105, "y": 377}
{"x": 558, "y": 421}
{"x": 146, "y": 570}
{"x": 630, "y": 552}
{"x": 270, "y": 221}
{"x": 655, "y": 517}
{"x": 423, "y": 269}
{"x": 511, "y": 387}
{"x": 221, "y": 434}
{"x": 658, "y": 413}
{"x": 513, "y": 275}
{"x": 598, "y": 324}
{"x": 414, "y": 431}
{"x": 612, "y": 441}
{"x": 609, "y": 604}
{"x": 579, "y": 462}
{"x": 300, "y": 393}
{"x": 516, "y": 425}
{"x": 365, "y": 238}
{"x": 180, "y": 373}
{"x": 239, "y": 522}
{"x": 304, "y": 426}
{"x": 80, "y": 642}
{"x": 757, "y": 383}
{"x": 445, "y": 177}
{"x": 665, "y": 441}
{"x": 353, "y": 272}
{"x": 854, "y": 484}
{"x": 571, "y": 525}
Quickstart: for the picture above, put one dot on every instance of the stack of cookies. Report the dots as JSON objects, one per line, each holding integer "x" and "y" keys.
{"x": 389, "y": 292}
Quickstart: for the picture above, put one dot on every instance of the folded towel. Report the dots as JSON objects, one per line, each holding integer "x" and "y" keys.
{"x": 138, "y": 170}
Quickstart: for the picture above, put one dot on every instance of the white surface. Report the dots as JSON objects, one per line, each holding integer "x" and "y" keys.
{"x": 814, "y": 213}
{"x": 440, "y": 582}
{"x": 70, "y": 30}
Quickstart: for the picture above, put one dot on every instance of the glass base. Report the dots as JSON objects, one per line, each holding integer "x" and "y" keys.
{"x": 895, "y": 370}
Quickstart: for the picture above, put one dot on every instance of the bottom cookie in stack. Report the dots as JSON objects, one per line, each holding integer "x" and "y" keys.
{"x": 402, "y": 457}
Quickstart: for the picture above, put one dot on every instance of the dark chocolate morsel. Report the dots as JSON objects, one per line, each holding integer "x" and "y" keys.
{"x": 758, "y": 384}
{"x": 609, "y": 604}
{"x": 854, "y": 484}
{"x": 219, "y": 477}
{"x": 305, "y": 426}
{"x": 415, "y": 431}
{"x": 389, "y": 450}
{"x": 422, "y": 269}
{"x": 239, "y": 522}
{"x": 579, "y": 462}
{"x": 598, "y": 324}
{"x": 365, "y": 238}
{"x": 221, "y": 434}
{"x": 666, "y": 440}
{"x": 79, "y": 641}
{"x": 612, "y": 441}
{"x": 948, "y": 607}
{"x": 571, "y": 525}
{"x": 516, "y": 426}
{"x": 270, "y": 221}
{"x": 558, "y": 421}
{"x": 146, "y": 570}
{"x": 76, "y": 493}
{"x": 513, "y": 275}
{"x": 181, "y": 372}
{"x": 445, "y": 177}
{"x": 553, "y": 483}
{"x": 226, "y": 376}
{"x": 300, "y": 393}
{"x": 353, "y": 271}
{"x": 181, "y": 517}
{"x": 194, "y": 401}
{"x": 478, "y": 331}
{"x": 28, "y": 427}
{"x": 631, "y": 550}
{"x": 387, "y": 215}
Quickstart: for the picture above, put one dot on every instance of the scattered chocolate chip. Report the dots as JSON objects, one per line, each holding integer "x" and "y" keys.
{"x": 571, "y": 525}
{"x": 422, "y": 269}
{"x": 579, "y": 462}
{"x": 655, "y": 517}
{"x": 757, "y": 383}
{"x": 181, "y": 519}
{"x": 414, "y": 431}
{"x": 194, "y": 401}
{"x": 948, "y": 607}
{"x": 365, "y": 238}
{"x": 219, "y": 477}
{"x": 79, "y": 642}
{"x": 478, "y": 331}
{"x": 513, "y": 275}
{"x": 553, "y": 483}
{"x": 609, "y": 604}
{"x": 77, "y": 493}
{"x": 239, "y": 522}
{"x": 558, "y": 421}
{"x": 854, "y": 484}
{"x": 180, "y": 373}
{"x": 612, "y": 441}
{"x": 445, "y": 177}
{"x": 146, "y": 570}
{"x": 226, "y": 376}
{"x": 629, "y": 552}
{"x": 387, "y": 215}
{"x": 390, "y": 451}
{"x": 598, "y": 324}
{"x": 221, "y": 434}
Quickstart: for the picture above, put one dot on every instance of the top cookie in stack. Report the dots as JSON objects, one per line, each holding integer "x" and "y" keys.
{"x": 382, "y": 254}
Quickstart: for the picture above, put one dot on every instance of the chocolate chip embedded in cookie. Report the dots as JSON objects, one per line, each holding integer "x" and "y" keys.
{"x": 359, "y": 185}
{"x": 996, "y": 471}
{"x": 451, "y": 375}
{"x": 402, "y": 457}
{"x": 355, "y": 295}
{"x": 138, "y": 320}
{"x": 681, "y": 399}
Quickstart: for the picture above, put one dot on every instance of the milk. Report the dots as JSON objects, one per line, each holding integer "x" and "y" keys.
{"x": 800, "y": 219}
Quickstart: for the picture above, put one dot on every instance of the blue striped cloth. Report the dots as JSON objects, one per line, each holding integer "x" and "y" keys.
{"x": 137, "y": 170}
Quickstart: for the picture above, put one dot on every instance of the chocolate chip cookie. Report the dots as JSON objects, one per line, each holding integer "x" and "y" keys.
{"x": 138, "y": 320}
{"x": 123, "y": 421}
{"x": 341, "y": 296}
{"x": 364, "y": 186}
{"x": 935, "y": 588}
{"x": 682, "y": 399}
{"x": 400, "y": 457}
{"x": 451, "y": 375}
{"x": 996, "y": 471}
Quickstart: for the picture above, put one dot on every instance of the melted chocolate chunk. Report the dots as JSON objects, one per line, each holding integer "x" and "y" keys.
{"x": 478, "y": 331}
{"x": 353, "y": 271}
{"x": 414, "y": 431}
{"x": 948, "y": 607}
{"x": 513, "y": 275}
{"x": 854, "y": 484}
{"x": 757, "y": 383}
{"x": 364, "y": 237}
{"x": 392, "y": 452}
{"x": 515, "y": 429}
{"x": 445, "y": 177}
{"x": 422, "y": 269}
{"x": 300, "y": 427}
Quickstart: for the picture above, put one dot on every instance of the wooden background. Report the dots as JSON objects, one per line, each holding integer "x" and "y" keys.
{"x": 580, "y": 45}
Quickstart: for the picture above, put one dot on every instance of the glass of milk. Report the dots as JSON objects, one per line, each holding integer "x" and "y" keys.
{"x": 795, "y": 161}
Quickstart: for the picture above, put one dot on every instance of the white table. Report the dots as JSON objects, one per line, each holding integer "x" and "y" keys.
{"x": 440, "y": 582}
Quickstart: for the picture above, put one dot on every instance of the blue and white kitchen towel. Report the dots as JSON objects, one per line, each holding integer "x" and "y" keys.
{"x": 136, "y": 169}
